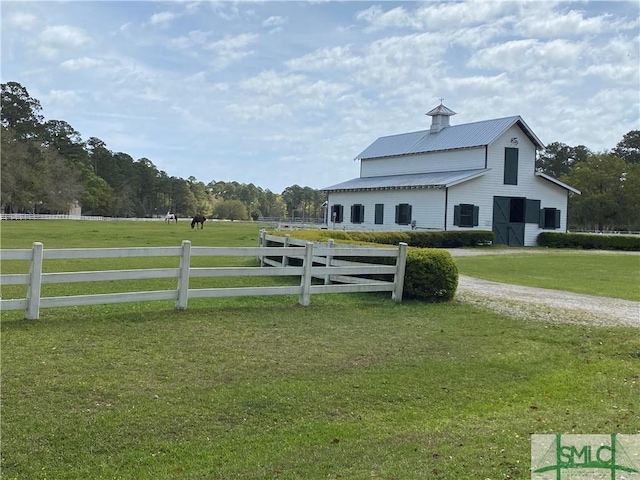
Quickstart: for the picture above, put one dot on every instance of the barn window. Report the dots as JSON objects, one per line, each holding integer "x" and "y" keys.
{"x": 403, "y": 214}
{"x": 510, "y": 166}
{"x": 336, "y": 213}
{"x": 357, "y": 213}
{"x": 466, "y": 215}
{"x": 379, "y": 216}
{"x": 549, "y": 218}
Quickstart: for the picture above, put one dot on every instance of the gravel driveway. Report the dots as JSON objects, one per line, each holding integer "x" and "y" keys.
{"x": 543, "y": 303}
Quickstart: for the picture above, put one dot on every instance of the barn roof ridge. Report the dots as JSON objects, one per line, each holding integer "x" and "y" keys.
{"x": 466, "y": 135}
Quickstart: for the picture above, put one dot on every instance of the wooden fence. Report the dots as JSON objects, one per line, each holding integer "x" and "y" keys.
{"x": 313, "y": 266}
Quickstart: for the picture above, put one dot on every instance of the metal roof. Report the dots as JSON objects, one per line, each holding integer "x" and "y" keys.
{"x": 454, "y": 137}
{"x": 417, "y": 180}
{"x": 440, "y": 110}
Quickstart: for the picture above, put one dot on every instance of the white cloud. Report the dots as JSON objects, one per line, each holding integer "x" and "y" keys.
{"x": 572, "y": 23}
{"x": 162, "y": 18}
{"x": 272, "y": 82}
{"x": 26, "y": 21}
{"x": 274, "y": 21}
{"x": 191, "y": 39}
{"x": 80, "y": 63}
{"x": 248, "y": 113}
{"x": 64, "y": 36}
{"x": 519, "y": 55}
{"x": 325, "y": 58}
{"x": 63, "y": 98}
{"x": 46, "y": 52}
{"x": 441, "y": 15}
{"x": 232, "y": 48}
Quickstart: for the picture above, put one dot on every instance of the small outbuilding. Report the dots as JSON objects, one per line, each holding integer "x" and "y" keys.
{"x": 478, "y": 175}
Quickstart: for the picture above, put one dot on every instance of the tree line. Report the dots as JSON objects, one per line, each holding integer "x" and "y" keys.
{"x": 609, "y": 183}
{"x": 47, "y": 166}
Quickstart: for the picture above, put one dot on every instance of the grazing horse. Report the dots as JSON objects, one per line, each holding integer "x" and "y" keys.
{"x": 198, "y": 219}
{"x": 170, "y": 216}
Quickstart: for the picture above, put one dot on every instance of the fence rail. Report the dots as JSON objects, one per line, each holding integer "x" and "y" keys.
{"x": 316, "y": 262}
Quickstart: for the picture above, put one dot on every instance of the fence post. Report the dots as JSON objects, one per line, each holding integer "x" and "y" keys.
{"x": 285, "y": 259}
{"x": 398, "y": 279}
{"x": 183, "y": 276}
{"x": 35, "y": 282}
{"x": 262, "y": 242}
{"x": 305, "y": 294}
{"x": 330, "y": 245}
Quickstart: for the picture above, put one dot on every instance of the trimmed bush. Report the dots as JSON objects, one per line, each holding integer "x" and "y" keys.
{"x": 431, "y": 275}
{"x": 589, "y": 241}
{"x": 440, "y": 239}
{"x": 413, "y": 238}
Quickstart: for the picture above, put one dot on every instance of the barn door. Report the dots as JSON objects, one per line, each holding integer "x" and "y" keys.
{"x": 501, "y": 220}
{"x": 508, "y": 220}
{"x": 516, "y": 234}
{"x": 516, "y": 221}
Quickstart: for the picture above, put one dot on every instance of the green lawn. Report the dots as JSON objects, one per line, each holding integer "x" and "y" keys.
{"x": 604, "y": 274}
{"x": 353, "y": 386}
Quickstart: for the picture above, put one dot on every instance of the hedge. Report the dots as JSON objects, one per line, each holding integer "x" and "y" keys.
{"x": 431, "y": 275}
{"x": 589, "y": 241}
{"x": 413, "y": 238}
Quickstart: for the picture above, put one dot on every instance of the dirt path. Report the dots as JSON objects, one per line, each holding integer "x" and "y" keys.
{"x": 543, "y": 303}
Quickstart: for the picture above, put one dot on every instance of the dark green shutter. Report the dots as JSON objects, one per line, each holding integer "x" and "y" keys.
{"x": 397, "y": 213}
{"x": 557, "y": 225}
{"x": 456, "y": 215}
{"x": 541, "y": 218}
{"x": 353, "y": 214}
{"x": 476, "y": 214}
{"x": 379, "y": 214}
{"x": 409, "y": 217}
{"x": 532, "y": 211}
{"x": 510, "y": 166}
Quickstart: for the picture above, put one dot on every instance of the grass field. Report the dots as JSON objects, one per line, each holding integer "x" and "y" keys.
{"x": 614, "y": 275}
{"x": 353, "y": 386}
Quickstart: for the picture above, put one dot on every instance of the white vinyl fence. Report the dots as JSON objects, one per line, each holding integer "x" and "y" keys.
{"x": 310, "y": 255}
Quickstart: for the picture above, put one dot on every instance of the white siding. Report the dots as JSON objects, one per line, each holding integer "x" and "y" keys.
{"x": 427, "y": 208}
{"x": 481, "y": 191}
{"x": 446, "y": 161}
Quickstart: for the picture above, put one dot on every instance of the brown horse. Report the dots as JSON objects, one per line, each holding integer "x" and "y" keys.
{"x": 198, "y": 219}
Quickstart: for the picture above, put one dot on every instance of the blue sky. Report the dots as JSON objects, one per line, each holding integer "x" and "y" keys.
{"x": 280, "y": 93}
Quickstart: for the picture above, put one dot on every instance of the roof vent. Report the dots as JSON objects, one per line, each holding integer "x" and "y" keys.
{"x": 440, "y": 117}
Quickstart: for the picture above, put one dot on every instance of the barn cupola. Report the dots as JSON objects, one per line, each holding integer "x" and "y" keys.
{"x": 440, "y": 117}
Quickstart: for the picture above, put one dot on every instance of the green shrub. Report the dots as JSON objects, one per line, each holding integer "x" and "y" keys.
{"x": 421, "y": 239}
{"x": 431, "y": 275}
{"x": 589, "y": 241}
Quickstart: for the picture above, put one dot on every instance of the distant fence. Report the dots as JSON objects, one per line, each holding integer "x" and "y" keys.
{"x": 310, "y": 255}
{"x": 62, "y": 216}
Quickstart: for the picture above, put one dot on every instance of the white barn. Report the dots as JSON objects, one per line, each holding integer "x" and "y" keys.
{"x": 477, "y": 175}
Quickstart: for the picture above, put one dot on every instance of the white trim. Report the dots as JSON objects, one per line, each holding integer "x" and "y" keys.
{"x": 558, "y": 182}
{"x": 471, "y": 177}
